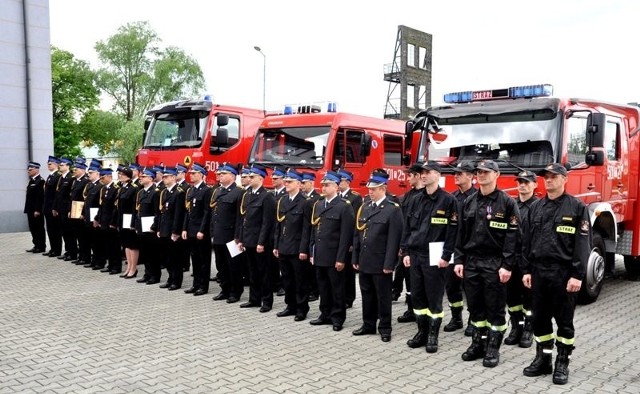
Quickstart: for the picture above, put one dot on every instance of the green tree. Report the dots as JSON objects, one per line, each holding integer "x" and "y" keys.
{"x": 128, "y": 140}
{"x": 73, "y": 94}
{"x": 101, "y": 129}
{"x": 137, "y": 74}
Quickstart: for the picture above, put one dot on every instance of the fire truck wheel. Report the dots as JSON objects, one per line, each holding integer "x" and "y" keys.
{"x": 592, "y": 283}
{"x": 632, "y": 266}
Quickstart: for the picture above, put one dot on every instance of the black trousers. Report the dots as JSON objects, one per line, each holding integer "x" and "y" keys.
{"x": 184, "y": 255}
{"x": 550, "y": 299}
{"x": 36, "y": 228}
{"x": 400, "y": 277}
{"x": 294, "y": 279}
{"x": 54, "y": 233}
{"x": 149, "y": 255}
{"x": 82, "y": 236}
{"x": 427, "y": 286}
{"x": 260, "y": 291}
{"x": 486, "y": 296}
{"x": 376, "y": 301}
{"x": 171, "y": 257}
{"x": 349, "y": 281}
{"x": 68, "y": 234}
{"x": 99, "y": 258}
{"x": 331, "y": 284}
{"x": 274, "y": 271}
{"x": 201, "y": 259}
{"x": 229, "y": 271}
{"x": 111, "y": 248}
{"x": 453, "y": 287}
{"x": 518, "y": 296}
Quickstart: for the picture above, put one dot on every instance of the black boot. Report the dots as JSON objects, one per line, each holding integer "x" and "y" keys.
{"x": 561, "y": 370}
{"x": 408, "y": 316}
{"x": 432, "y": 336}
{"x": 456, "y": 320}
{"x": 541, "y": 364}
{"x": 478, "y": 344}
{"x": 469, "y": 330}
{"x": 420, "y": 339}
{"x": 492, "y": 357}
{"x": 526, "y": 340}
{"x": 517, "y": 324}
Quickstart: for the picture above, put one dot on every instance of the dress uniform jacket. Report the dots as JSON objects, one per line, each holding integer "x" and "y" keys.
{"x": 50, "y": 192}
{"x": 332, "y": 232}
{"x": 196, "y": 220}
{"x": 91, "y": 200}
{"x": 172, "y": 210}
{"x": 62, "y": 200}
{"x": 126, "y": 203}
{"x": 224, "y": 205}
{"x": 257, "y": 218}
{"x": 354, "y": 198}
{"x": 289, "y": 225}
{"x": 107, "y": 212}
{"x": 377, "y": 239}
{"x": 35, "y": 195}
{"x": 77, "y": 188}
{"x": 147, "y": 201}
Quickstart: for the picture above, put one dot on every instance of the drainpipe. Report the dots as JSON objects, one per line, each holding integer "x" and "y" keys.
{"x": 27, "y": 64}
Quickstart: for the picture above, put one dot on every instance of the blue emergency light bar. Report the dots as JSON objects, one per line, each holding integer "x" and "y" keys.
{"x": 308, "y": 109}
{"x": 542, "y": 90}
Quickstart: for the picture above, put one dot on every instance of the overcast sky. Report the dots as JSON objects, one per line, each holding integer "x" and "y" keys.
{"x": 335, "y": 50}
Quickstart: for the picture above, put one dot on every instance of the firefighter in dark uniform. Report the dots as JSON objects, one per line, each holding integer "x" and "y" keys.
{"x": 170, "y": 220}
{"x": 256, "y": 222}
{"x": 277, "y": 178}
{"x": 90, "y": 210}
{"x": 485, "y": 255}
{"x": 402, "y": 273}
{"x": 145, "y": 220}
{"x": 107, "y": 222}
{"x": 355, "y": 199}
{"x": 223, "y": 209}
{"x": 332, "y": 221}
{"x": 308, "y": 190}
{"x": 126, "y": 205}
{"x": 196, "y": 229}
{"x": 518, "y": 296}
{"x": 557, "y": 246}
{"x": 463, "y": 178}
{"x": 184, "y": 250}
{"x": 33, "y": 204}
{"x": 80, "y": 239}
{"x": 428, "y": 241}
{"x": 62, "y": 206}
{"x": 376, "y": 243}
{"x": 291, "y": 247}
{"x": 135, "y": 174}
{"x": 157, "y": 180}
{"x": 53, "y": 222}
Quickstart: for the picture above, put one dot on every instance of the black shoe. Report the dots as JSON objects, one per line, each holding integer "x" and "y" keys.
{"x": 69, "y": 258}
{"x": 221, "y": 296}
{"x": 48, "y": 254}
{"x": 249, "y": 304}
{"x": 165, "y": 285}
{"x": 88, "y": 265}
{"x": 142, "y": 280}
{"x": 395, "y": 295}
{"x": 320, "y": 321}
{"x": 152, "y": 281}
{"x": 115, "y": 272}
{"x": 200, "y": 292}
{"x": 280, "y": 292}
{"x": 56, "y": 255}
{"x": 131, "y": 276}
{"x": 337, "y": 327}
{"x": 385, "y": 337}
{"x": 265, "y": 308}
{"x": 62, "y": 256}
{"x": 313, "y": 297}
{"x": 32, "y": 250}
{"x": 232, "y": 299}
{"x": 299, "y": 317}
{"x": 173, "y": 287}
{"x": 190, "y": 290}
{"x": 286, "y": 312}
{"x": 97, "y": 267}
{"x": 349, "y": 305}
{"x": 363, "y": 331}
{"x": 105, "y": 270}
{"x": 38, "y": 250}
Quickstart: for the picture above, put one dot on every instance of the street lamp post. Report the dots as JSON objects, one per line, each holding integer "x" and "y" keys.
{"x": 264, "y": 78}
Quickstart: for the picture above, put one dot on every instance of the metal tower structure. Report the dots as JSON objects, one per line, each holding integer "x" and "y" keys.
{"x": 409, "y": 75}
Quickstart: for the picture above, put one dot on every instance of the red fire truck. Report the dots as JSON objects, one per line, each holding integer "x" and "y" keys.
{"x": 198, "y": 130}
{"x": 525, "y": 127}
{"x": 307, "y": 138}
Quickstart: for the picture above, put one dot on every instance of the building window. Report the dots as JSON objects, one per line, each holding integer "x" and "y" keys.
{"x": 392, "y": 150}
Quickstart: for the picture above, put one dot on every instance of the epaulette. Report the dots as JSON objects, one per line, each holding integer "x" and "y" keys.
{"x": 115, "y": 185}
{"x": 134, "y": 185}
{"x": 347, "y": 201}
{"x": 394, "y": 203}
{"x": 157, "y": 189}
{"x": 354, "y": 192}
{"x": 180, "y": 189}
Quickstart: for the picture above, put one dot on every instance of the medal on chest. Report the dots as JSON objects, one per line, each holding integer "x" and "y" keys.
{"x": 489, "y": 210}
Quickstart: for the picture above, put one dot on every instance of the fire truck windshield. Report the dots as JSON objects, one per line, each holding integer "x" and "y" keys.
{"x": 518, "y": 141}
{"x": 175, "y": 130}
{"x": 292, "y": 146}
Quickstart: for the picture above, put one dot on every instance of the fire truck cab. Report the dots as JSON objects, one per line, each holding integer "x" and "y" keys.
{"x": 198, "y": 131}
{"x": 526, "y": 128}
{"x": 308, "y": 139}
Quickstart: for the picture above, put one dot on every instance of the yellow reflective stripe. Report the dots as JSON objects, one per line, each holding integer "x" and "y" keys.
{"x": 501, "y": 226}
{"x": 517, "y": 308}
{"x": 526, "y": 312}
{"x": 480, "y": 324}
{"x": 545, "y": 338}
{"x": 499, "y": 328}
{"x": 566, "y": 229}
{"x": 421, "y": 312}
{"x": 436, "y": 315}
{"x": 458, "y": 304}
{"x": 566, "y": 341}
{"x": 439, "y": 220}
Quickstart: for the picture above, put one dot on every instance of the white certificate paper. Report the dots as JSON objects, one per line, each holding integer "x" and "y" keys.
{"x": 234, "y": 250}
{"x": 93, "y": 212}
{"x": 435, "y": 252}
{"x": 126, "y": 220}
{"x": 146, "y": 222}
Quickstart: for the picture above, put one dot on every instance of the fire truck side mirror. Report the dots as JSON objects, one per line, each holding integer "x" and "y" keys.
{"x": 408, "y": 134}
{"x": 594, "y": 158}
{"x": 221, "y": 138}
{"x": 365, "y": 145}
{"x": 222, "y": 120}
{"x": 595, "y": 130}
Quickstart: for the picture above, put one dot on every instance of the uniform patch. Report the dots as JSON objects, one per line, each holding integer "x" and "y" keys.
{"x": 566, "y": 229}
{"x": 567, "y": 219}
{"x": 454, "y": 216}
{"x": 500, "y": 215}
{"x": 514, "y": 220}
{"x": 498, "y": 225}
{"x": 439, "y": 220}
{"x": 440, "y": 212}
{"x": 584, "y": 226}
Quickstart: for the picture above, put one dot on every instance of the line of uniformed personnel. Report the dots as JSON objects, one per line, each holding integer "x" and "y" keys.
{"x": 526, "y": 253}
